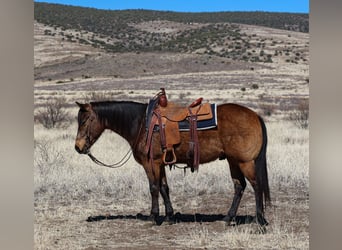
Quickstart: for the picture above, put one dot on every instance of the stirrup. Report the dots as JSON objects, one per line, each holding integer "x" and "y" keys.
{"x": 174, "y": 158}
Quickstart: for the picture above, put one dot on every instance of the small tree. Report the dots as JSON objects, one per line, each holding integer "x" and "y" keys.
{"x": 53, "y": 114}
{"x": 255, "y": 86}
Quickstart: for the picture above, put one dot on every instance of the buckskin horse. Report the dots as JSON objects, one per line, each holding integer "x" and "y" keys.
{"x": 240, "y": 137}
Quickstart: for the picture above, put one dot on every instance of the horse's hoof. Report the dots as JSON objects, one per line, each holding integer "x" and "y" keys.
{"x": 170, "y": 220}
{"x": 230, "y": 221}
{"x": 226, "y": 218}
{"x": 261, "y": 221}
{"x": 151, "y": 218}
{"x": 156, "y": 220}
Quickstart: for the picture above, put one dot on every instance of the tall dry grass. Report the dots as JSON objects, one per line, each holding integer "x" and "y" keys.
{"x": 69, "y": 185}
{"x": 58, "y": 167}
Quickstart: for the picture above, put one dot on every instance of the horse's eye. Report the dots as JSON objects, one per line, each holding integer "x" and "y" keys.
{"x": 84, "y": 121}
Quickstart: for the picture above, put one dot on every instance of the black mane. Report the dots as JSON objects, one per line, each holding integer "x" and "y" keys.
{"x": 123, "y": 117}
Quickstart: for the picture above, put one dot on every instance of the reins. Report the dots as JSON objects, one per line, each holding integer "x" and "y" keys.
{"x": 118, "y": 164}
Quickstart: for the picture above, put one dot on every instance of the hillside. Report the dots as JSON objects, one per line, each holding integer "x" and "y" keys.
{"x": 108, "y": 21}
{"x": 75, "y": 42}
{"x": 253, "y": 64}
{"x": 125, "y": 31}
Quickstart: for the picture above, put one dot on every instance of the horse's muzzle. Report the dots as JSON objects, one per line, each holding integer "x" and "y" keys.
{"x": 81, "y": 151}
{"x": 78, "y": 149}
{"x": 81, "y": 146}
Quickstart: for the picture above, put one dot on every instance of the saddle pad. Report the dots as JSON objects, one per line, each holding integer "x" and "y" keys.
{"x": 149, "y": 111}
{"x": 202, "y": 124}
{"x": 184, "y": 125}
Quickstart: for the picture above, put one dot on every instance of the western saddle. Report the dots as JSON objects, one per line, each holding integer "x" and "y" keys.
{"x": 165, "y": 116}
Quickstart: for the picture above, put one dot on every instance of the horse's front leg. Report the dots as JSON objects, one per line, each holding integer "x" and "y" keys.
{"x": 154, "y": 190}
{"x": 164, "y": 191}
{"x": 152, "y": 169}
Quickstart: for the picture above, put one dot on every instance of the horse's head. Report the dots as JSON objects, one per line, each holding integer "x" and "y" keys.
{"x": 89, "y": 128}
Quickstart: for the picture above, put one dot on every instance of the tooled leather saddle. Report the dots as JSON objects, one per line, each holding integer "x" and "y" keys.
{"x": 167, "y": 117}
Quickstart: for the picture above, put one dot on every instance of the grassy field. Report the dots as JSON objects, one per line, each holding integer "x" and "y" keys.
{"x": 69, "y": 189}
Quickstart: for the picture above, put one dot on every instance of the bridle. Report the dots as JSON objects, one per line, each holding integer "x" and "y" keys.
{"x": 90, "y": 142}
{"x": 88, "y": 137}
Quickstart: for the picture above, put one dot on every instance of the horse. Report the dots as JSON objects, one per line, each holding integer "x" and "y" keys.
{"x": 240, "y": 137}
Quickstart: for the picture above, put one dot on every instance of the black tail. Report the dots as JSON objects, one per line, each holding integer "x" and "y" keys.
{"x": 261, "y": 169}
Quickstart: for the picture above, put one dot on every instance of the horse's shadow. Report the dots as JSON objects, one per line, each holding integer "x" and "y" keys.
{"x": 178, "y": 218}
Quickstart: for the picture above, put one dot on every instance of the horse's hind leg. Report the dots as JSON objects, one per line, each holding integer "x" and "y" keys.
{"x": 248, "y": 170}
{"x": 239, "y": 187}
{"x": 164, "y": 191}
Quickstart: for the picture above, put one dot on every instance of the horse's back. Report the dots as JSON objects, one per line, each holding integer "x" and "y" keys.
{"x": 235, "y": 109}
{"x": 236, "y": 117}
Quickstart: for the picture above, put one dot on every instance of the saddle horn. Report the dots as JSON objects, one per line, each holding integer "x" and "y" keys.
{"x": 162, "y": 98}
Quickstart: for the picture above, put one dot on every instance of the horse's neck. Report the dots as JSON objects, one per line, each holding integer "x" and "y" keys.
{"x": 126, "y": 122}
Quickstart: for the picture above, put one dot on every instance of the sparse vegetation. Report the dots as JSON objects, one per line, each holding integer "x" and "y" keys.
{"x": 300, "y": 116}
{"x": 53, "y": 114}
{"x": 255, "y": 86}
{"x": 267, "y": 109}
{"x": 123, "y": 34}
{"x": 69, "y": 188}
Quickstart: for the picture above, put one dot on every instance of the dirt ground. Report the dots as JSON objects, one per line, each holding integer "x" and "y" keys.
{"x": 198, "y": 224}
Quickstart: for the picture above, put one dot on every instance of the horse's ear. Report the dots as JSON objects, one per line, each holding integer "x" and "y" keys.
{"x": 85, "y": 107}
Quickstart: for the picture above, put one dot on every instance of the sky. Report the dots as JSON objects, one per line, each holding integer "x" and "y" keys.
{"x": 295, "y": 6}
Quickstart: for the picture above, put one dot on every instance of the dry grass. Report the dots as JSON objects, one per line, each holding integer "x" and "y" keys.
{"x": 69, "y": 188}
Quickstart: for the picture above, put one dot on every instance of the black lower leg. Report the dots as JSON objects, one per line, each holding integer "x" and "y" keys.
{"x": 239, "y": 187}
{"x": 164, "y": 191}
{"x": 260, "y": 219}
{"x": 154, "y": 189}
